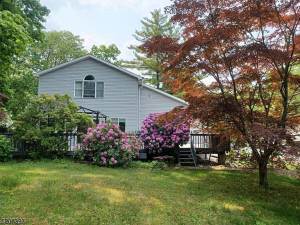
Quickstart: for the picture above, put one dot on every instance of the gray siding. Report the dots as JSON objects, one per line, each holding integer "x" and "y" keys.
{"x": 120, "y": 90}
{"x": 152, "y": 102}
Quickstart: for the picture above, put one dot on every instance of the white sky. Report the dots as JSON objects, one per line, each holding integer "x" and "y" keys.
{"x": 101, "y": 21}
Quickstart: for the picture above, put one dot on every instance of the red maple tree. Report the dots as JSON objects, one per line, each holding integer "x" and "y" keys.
{"x": 249, "y": 49}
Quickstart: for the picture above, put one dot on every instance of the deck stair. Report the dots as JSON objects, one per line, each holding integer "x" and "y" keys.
{"x": 187, "y": 157}
{"x": 208, "y": 145}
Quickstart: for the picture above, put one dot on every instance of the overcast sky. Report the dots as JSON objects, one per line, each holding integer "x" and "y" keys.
{"x": 101, "y": 21}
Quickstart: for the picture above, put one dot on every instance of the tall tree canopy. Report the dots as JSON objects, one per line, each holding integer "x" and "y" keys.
{"x": 31, "y": 11}
{"x": 249, "y": 49}
{"x": 3, "y": 98}
{"x": 13, "y": 41}
{"x": 57, "y": 47}
{"x": 21, "y": 23}
{"x": 108, "y": 53}
{"x": 158, "y": 25}
{"x": 22, "y": 87}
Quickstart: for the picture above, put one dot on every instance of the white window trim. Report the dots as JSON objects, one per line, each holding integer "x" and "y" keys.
{"x": 82, "y": 88}
{"x": 75, "y": 88}
{"x": 96, "y": 81}
{"x": 118, "y": 119}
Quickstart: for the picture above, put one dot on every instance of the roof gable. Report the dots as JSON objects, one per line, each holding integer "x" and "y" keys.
{"x": 124, "y": 71}
{"x": 165, "y": 94}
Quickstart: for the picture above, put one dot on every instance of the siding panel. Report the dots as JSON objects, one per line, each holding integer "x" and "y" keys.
{"x": 152, "y": 102}
{"x": 120, "y": 90}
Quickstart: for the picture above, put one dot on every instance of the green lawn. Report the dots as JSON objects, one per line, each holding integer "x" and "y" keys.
{"x": 68, "y": 193}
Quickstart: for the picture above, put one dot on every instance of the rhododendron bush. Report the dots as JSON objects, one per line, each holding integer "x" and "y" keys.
{"x": 109, "y": 146}
{"x": 159, "y": 135}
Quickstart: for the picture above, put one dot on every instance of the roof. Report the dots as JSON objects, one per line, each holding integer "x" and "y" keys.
{"x": 124, "y": 71}
{"x": 85, "y": 58}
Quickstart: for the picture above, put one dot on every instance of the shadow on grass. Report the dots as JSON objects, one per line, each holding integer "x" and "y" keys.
{"x": 239, "y": 191}
{"x": 84, "y": 194}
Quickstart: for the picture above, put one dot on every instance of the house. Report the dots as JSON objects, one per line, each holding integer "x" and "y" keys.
{"x": 98, "y": 85}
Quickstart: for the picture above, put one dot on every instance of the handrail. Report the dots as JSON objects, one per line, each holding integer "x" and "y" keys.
{"x": 193, "y": 151}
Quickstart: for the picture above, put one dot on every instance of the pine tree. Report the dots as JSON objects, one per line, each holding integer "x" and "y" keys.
{"x": 158, "y": 25}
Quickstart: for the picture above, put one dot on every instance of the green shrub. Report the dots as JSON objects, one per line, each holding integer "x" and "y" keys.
{"x": 159, "y": 165}
{"x": 5, "y": 149}
{"x": 44, "y": 123}
{"x": 241, "y": 158}
{"x": 79, "y": 154}
{"x": 153, "y": 165}
{"x": 9, "y": 182}
{"x": 140, "y": 164}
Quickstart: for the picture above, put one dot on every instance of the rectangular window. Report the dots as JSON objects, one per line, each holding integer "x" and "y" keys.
{"x": 78, "y": 89}
{"x": 89, "y": 89}
{"x": 100, "y": 90}
{"x": 115, "y": 121}
{"x": 120, "y": 122}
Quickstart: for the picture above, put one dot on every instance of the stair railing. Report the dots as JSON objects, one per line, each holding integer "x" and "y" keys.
{"x": 193, "y": 152}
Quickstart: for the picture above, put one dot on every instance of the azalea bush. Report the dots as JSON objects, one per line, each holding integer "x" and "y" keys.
{"x": 159, "y": 135}
{"x": 107, "y": 145}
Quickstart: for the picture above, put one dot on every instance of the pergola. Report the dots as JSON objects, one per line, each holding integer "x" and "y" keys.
{"x": 97, "y": 115}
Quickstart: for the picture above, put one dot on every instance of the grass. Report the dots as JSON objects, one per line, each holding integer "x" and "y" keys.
{"x": 63, "y": 192}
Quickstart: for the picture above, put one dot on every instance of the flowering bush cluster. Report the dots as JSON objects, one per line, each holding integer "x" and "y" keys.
{"x": 109, "y": 146}
{"x": 167, "y": 135}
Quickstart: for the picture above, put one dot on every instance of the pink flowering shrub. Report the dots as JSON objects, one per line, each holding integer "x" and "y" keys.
{"x": 109, "y": 146}
{"x": 169, "y": 135}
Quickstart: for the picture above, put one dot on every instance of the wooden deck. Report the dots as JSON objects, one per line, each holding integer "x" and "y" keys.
{"x": 204, "y": 148}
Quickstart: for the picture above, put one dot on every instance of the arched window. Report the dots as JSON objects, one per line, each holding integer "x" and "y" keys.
{"x": 89, "y": 88}
{"x": 89, "y": 77}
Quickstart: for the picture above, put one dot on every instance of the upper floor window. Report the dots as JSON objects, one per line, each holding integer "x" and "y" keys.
{"x": 89, "y": 88}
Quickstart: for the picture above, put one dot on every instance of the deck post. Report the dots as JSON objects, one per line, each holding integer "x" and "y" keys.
{"x": 221, "y": 158}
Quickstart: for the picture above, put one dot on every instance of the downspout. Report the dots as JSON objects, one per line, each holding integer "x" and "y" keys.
{"x": 140, "y": 85}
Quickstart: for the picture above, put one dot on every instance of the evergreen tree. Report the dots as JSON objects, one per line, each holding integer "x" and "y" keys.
{"x": 158, "y": 25}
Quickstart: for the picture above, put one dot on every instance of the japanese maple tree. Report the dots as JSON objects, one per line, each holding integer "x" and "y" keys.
{"x": 248, "y": 48}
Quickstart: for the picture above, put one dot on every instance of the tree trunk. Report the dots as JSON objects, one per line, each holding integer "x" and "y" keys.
{"x": 221, "y": 158}
{"x": 157, "y": 79}
{"x": 263, "y": 172}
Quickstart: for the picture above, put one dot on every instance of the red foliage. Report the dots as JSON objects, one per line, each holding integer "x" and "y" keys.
{"x": 160, "y": 45}
{"x": 248, "y": 48}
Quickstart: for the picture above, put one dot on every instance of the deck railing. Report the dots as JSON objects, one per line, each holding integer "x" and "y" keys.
{"x": 210, "y": 143}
